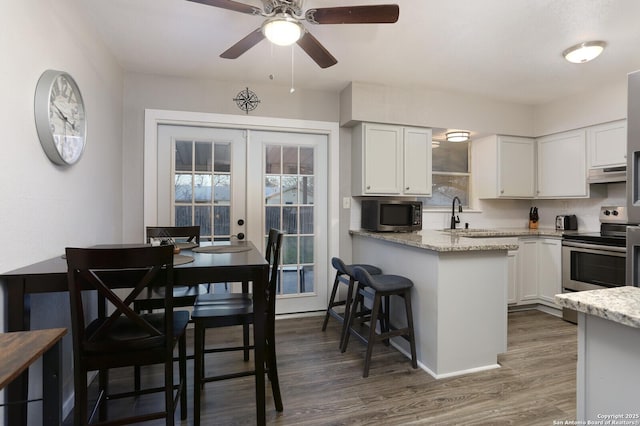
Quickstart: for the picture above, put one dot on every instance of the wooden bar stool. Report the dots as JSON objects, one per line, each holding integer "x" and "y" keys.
{"x": 344, "y": 275}
{"x": 382, "y": 286}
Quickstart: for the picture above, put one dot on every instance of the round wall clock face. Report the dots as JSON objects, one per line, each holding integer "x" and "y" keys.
{"x": 60, "y": 117}
{"x": 246, "y": 100}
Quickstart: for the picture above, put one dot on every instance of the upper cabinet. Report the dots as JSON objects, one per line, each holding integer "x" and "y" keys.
{"x": 562, "y": 165}
{"x": 504, "y": 167}
{"x": 391, "y": 160}
{"x": 607, "y": 145}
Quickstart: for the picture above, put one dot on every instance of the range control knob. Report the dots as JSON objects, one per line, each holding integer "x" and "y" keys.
{"x": 615, "y": 212}
{"x": 607, "y": 212}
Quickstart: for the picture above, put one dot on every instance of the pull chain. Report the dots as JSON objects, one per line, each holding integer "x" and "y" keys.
{"x": 292, "y": 88}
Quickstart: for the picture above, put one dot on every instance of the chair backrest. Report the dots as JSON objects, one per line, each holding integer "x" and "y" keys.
{"x": 106, "y": 270}
{"x": 272, "y": 255}
{"x": 189, "y": 234}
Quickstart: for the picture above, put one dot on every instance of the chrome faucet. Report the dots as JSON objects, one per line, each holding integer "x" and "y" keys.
{"x": 455, "y": 219}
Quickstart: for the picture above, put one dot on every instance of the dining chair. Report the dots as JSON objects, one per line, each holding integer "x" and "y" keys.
{"x": 224, "y": 310}
{"x": 183, "y": 237}
{"x": 119, "y": 336}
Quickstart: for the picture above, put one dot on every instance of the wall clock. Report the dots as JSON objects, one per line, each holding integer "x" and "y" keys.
{"x": 246, "y": 100}
{"x": 60, "y": 117}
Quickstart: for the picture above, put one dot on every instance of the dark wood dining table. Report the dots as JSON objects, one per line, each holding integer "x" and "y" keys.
{"x": 49, "y": 276}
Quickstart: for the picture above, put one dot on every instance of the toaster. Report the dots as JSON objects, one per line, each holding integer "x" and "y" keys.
{"x": 567, "y": 222}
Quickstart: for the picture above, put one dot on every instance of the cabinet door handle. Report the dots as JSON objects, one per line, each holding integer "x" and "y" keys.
{"x": 368, "y": 186}
{"x": 502, "y": 191}
{"x": 407, "y": 188}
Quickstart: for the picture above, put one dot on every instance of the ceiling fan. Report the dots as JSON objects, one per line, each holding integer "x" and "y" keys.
{"x": 287, "y": 14}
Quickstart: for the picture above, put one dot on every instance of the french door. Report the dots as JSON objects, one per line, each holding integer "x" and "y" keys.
{"x": 239, "y": 183}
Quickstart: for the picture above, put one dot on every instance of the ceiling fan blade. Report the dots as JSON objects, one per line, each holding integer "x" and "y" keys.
{"x": 231, "y": 5}
{"x": 243, "y": 45}
{"x": 316, "y": 51}
{"x": 375, "y": 14}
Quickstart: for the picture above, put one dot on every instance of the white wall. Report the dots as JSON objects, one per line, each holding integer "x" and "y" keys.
{"x": 601, "y": 104}
{"x": 46, "y": 207}
{"x": 433, "y": 108}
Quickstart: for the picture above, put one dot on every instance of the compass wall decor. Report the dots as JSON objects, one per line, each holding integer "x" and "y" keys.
{"x": 246, "y": 100}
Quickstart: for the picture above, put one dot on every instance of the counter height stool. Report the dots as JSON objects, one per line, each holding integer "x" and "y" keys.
{"x": 382, "y": 286}
{"x": 344, "y": 275}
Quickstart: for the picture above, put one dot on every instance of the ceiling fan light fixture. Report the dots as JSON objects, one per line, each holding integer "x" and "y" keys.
{"x": 584, "y": 52}
{"x": 458, "y": 136}
{"x": 282, "y": 30}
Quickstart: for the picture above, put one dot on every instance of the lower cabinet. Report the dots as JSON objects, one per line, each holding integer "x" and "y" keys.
{"x": 538, "y": 277}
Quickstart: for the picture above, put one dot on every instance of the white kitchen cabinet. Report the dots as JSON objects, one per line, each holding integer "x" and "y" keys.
{"x": 549, "y": 269}
{"x": 539, "y": 276}
{"x": 391, "y": 160}
{"x": 562, "y": 165}
{"x": 417, "y": 161}
{"x": 607, "y": 144}
{"x": 504, "y": 167}
{"x": 528, "y": 270}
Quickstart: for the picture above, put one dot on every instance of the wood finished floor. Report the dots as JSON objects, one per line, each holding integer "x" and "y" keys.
{"x": 320, "y": 386}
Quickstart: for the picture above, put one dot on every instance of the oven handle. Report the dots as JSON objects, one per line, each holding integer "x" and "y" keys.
{"x": 594, "y": 247}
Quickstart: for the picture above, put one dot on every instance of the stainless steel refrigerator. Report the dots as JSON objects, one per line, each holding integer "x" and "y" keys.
{"x": 633, "y": 179}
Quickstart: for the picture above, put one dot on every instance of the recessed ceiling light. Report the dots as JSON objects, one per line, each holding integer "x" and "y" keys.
{"x": 457, "y": 136}
{"x": 584, "y": 52}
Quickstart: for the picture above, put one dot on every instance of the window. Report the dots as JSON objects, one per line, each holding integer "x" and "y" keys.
{"x": 451, "y": 175}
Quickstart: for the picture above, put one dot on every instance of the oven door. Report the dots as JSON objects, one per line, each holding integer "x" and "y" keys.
{"x": 587, "y": 266}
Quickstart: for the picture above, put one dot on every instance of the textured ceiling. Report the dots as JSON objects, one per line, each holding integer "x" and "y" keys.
{"x": 504, "y": 49}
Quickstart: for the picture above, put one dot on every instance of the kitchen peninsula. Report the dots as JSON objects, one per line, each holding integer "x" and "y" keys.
{"x": 459, "y": 296}
{"x": 608, "y": 353}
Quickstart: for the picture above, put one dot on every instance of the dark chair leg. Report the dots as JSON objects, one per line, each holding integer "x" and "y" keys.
{"x": 103, "y": 385}
{"x": 412, "y": 339}
{"x": 168, "y": 391}
{"x": 198, "y": 369}
{"x": 334, "y": 291}
{"x": 349, "y": 322}
{"x": 272, "y": 367}
{"x": 375, "y": 311}
{"x": 80, "y": 409}
{"x": 245, "y": 341}
{"x": 347, "y": 310}
{"x": 182, "y": 363}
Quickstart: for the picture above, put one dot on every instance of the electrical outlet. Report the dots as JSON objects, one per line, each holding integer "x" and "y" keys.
{"x": 346, "y": 203}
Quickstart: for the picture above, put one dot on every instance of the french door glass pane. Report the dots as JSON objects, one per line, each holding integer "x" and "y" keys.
{"x": 222, "y": 190}
{"x": 222, "y": 156}
{"x": 272, "y": 159}
{"x": 183, "y": 215}
{"x": 183, "y": 155}
{"x": 202, "y": 217}
{"x": 183, "y": 188}
{"x": 290, "y": 220}
{"x": 306, "y": 220}
{"x": 202, "y": 188}
{"x": 222, "y": 220}
{"x": 203, "y": 157}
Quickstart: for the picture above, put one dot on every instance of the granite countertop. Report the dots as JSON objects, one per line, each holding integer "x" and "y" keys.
{"x": 461, "y": 239}
{"x": 619, "y": 304}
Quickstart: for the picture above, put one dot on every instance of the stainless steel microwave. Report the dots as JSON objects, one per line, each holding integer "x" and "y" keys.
{"x": 391, "y": 215}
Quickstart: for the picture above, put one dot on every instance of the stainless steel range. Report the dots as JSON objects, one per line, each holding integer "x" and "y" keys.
{"x": 592, "y": 261}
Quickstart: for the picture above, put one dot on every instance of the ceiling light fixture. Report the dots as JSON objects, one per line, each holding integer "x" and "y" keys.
{"x": 584, "y": 52}
{"x": 282, "y": 30}
{"x": 457, "y": 136}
